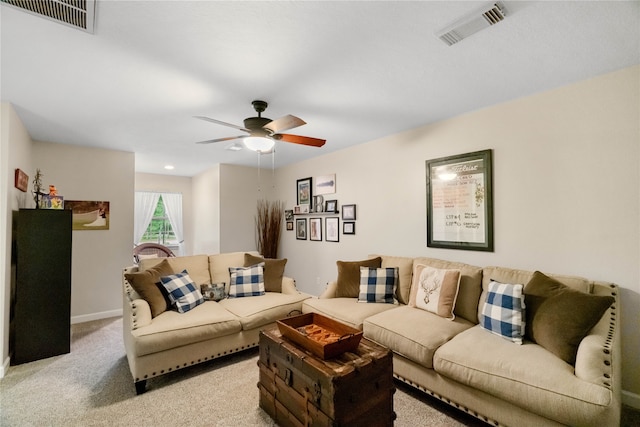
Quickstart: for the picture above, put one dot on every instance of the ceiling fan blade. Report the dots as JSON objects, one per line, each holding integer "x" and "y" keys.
{"x": 218, "y": 122}
{"x": 284, "y": 123}
{"x": 229, "y": 138}
{"x": 297, "y": 139}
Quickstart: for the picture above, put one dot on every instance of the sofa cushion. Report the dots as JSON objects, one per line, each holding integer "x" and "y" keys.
{"x": 348, "y": 282}
{"x": 219, "y": 266}
{"x": 172, "y": 329}
{"x": 405, "y": 269}
{"x": 273, "y": 271}
{"x": 503, "y": 311}
{"x": 378, "y": 285}
{"x": 470, "y": 286}
{"x": 182, "y": 292}
{"x": 145, "y": 284}
{"x": 345, "y": 310}
{"x": 413, "y": 333}
{"x": 559, "y": 317}
{"x": 196, "y": 265}
{"x": 525, "y": 375}
{"x": 258, "y": 311}
{"x": 435, "y": 290}
{"x": 246, "y": 281}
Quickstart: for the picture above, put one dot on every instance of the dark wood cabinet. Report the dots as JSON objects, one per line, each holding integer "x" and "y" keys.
{"x": 40, "y": 318}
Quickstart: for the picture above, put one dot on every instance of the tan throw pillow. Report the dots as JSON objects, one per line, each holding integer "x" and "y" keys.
{"x": 145, "y": 284}
{"x": 435, "y": 290}
{"x": 273, "y": 271}
{"x": 348, "y": 282}
{"x": 559, "y": 317}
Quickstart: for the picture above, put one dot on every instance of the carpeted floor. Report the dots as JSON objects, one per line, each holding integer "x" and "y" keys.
{"x": 92, "y": 386}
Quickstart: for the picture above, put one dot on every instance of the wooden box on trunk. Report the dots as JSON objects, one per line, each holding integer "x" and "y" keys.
{"x": 300, "y": 389}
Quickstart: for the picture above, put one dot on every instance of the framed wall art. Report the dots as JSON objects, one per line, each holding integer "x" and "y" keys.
{"x": 289, "y": 225}
{"x": 332, "y": 229}
{"x": 315, "y": 229}
{"x": 301, "y": 228}
{"x": 331, "y": 206}
{"x": 89, "y": 215}
{"x": 325, "y": 184}
{"x": 303, "y": 191}
{"x": 460, "y": 202}
{"x": 348, "y": 212}
{"x": 349, "y": 227}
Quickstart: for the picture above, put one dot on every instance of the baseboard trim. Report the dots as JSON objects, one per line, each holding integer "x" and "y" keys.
{"x": 631, "y": 399}
{"x": 96, "y": 316}
{"x": 4, "y": 367}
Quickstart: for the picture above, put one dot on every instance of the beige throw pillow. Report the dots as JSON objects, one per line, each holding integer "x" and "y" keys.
{"x": 435, "y": 290}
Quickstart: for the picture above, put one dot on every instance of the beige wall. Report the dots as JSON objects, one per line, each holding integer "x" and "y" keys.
{"x": 172, "y": 184}
{"x": 98, "y": 256}
{"x": 566, "y": 193}
{"x": 15, "y": 152}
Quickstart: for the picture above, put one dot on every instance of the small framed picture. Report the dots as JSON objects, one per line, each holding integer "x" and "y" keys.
{"x": 332, "y": 229}
{"x": 288, "y": 215}
{"x": 315, "y": 229}
{"x": 331, "y": 206}
{"x": 348, "y": 228}
{"x": 301, "y": 229}
{"x": 348, "y": 212}
{"x": 304, "y": 192}
{"x": 300, "y": 209}
{"x": 289, "y": 225}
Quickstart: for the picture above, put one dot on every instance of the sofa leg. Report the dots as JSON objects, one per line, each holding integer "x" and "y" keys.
{"x": 141, "y": 386}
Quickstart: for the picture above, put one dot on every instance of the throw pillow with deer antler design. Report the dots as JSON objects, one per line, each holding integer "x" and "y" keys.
{"x": 435, "y": 290}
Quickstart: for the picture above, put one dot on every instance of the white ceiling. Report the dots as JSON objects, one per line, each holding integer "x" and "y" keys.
{"x": 355, "y": 71}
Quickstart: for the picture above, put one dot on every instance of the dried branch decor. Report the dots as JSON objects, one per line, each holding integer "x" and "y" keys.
{"x": 268, "y": 226}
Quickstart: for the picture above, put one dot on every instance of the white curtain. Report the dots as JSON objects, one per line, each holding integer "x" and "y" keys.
{"x": 145, "y": 205}
{"x": 173, "y": 208}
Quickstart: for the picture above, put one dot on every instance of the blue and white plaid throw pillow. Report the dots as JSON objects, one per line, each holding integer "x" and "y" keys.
{"x": 503, "y": 311}
{"x": 183, "y": 293}
{"x": 378, "y": 284}
{"x": 246, "y": 281}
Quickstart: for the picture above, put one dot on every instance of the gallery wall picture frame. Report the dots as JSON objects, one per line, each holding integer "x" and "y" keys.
{"x": 315, "y": 229}
{"x": 332, "y": 229}
{"x": 348, "y": 227}
{"x": 331, "y": 206}
{"x": 289, "y": 225}
{"x": 304, "y": 191}
{"x": 288, "y": 215}
{"x": 460, "y": 202}
{"x": 301, "y": 228}
{"x": 348, "y": 212}
{"x": 325, "y": 184}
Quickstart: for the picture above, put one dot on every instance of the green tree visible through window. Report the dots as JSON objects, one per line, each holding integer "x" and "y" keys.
{"x": 159, "y": 230}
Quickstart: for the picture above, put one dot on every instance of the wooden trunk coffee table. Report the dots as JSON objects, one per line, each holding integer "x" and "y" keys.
{"x": 299, "y": 389}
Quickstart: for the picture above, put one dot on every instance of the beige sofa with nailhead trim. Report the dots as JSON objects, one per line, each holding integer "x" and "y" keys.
{"x": 499, "y": 382}
{"x": 172, "y": 340}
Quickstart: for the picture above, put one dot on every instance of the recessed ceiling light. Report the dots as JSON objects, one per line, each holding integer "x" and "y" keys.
{"x": 169, "y": 167}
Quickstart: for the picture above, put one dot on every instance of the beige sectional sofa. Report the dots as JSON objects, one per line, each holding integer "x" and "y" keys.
{"x": 168, "y": 340}
{"x": 463, "y": 364}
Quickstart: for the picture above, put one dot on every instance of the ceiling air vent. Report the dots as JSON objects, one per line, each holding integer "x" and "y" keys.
{"x": 480, "y": 19}
{"x": 78, "y": 14}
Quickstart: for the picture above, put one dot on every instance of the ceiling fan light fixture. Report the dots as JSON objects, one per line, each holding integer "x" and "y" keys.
{"x": 259, "y": 144}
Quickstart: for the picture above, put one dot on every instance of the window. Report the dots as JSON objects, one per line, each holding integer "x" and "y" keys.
{"x": 159, "y": 229}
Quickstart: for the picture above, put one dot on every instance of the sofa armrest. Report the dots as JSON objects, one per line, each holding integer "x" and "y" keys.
{"x": 599, "y": 355}
{"x": 289, "y": 286}
{"x": 330, "y": 290}
{"x": 136, "y": 312}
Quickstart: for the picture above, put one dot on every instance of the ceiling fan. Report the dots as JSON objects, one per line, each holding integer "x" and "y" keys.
{"x": 263, "y": 132}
